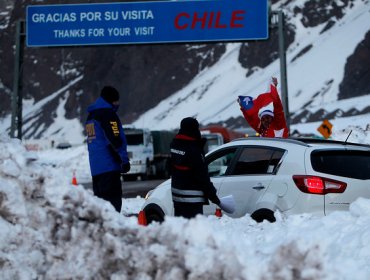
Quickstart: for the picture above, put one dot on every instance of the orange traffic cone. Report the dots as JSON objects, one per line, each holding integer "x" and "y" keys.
{"x": 218, "y": 213}
{"x": 74, "y": 180}
{"x": 141, "y": 219}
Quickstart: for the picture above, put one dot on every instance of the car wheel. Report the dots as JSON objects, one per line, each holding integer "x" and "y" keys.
{"x": 154, "y": 217}
{"x": 154, "y": 213}
{"x": 263, "y": 214}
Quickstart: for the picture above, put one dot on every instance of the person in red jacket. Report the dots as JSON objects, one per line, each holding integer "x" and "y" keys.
{"x": 266, "y": 122}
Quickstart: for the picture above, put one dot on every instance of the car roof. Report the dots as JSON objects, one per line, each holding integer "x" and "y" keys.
{"x": 306, "y": 142}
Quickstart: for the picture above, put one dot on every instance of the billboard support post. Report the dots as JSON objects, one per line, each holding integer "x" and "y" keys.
{"x": 17, "y": 96}
{"x": 280, "y": 24}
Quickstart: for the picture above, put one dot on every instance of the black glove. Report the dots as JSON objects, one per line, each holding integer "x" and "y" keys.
{"x": 216, "y": 201}
{"x": 125, "y": 167}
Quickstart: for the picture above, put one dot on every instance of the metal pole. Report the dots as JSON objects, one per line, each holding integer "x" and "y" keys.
{"x": 16, "y": 121}
{"x": 283, "y": 68}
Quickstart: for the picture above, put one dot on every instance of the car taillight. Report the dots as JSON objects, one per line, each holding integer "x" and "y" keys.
{"x": 318, "y": 185}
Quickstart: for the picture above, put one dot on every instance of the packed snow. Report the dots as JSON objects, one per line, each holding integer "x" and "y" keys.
{"x": 51, "y": 229}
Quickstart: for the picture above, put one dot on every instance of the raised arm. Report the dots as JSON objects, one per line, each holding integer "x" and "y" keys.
{"x": 279, "y": 116}
{"x": 251, "y": 114}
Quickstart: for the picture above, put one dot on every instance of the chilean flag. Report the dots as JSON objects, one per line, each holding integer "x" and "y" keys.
{"x": 246, "y": 102}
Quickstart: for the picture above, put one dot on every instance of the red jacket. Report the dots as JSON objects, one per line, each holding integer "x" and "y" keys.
{"x": 278, "y": 127}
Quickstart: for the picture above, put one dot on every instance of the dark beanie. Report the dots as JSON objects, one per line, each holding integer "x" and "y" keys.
{"x": 190, "y": 127}
{"x": 109, "y": 94}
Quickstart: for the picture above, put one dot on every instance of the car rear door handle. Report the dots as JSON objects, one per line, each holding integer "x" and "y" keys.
{"x": 259, "y": 187}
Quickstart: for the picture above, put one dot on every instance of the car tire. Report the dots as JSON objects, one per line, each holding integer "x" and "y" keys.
{"x": 154, "y": 217}
{"x": 263, "y": 214}
{"x": 154, "y": 213}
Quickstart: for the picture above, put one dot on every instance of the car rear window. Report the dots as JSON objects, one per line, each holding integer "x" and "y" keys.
{"x": 351, "y": 164}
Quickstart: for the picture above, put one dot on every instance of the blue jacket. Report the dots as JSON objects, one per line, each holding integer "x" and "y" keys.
{"x": 106, "y": 139}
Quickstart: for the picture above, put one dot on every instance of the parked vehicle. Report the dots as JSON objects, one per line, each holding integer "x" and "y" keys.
{"x": 292, "y": 176}
{"x": 148, "y": 151}
{"x": 213, "y": 140}
{"x": 218, "y": 135}
{"x": 161, "y": 158}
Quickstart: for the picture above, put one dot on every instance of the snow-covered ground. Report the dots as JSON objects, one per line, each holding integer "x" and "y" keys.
{"x": 51, "y": 229}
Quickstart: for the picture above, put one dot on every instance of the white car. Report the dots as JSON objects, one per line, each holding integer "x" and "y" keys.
{"x": 289, "y": 175}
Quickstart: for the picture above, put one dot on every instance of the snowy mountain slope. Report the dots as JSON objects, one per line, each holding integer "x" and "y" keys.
{"x": 5, "y": 7}
{"x": 65, "y": 128}
{"x": 328, "y": 60}
{"x": 322, "y": 68}
{"x": 313, "y": 78}
{"x": 62, "y": 129}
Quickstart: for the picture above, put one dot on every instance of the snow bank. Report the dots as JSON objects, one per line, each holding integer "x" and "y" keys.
{"x": 50, "y": 229}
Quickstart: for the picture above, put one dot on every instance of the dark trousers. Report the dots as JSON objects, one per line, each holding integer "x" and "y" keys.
{"x": 187, "y": 210}
{"x": 108, "y": 187}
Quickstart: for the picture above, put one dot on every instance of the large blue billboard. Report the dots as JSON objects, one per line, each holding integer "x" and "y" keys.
{"x": 146, "y": 22}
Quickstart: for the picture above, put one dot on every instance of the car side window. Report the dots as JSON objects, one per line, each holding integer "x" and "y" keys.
{"x": 257, "y": 160}
{"x": 220, "y": 161}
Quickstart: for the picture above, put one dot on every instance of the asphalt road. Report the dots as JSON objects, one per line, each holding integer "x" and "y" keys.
{"x": 132, "y": 189}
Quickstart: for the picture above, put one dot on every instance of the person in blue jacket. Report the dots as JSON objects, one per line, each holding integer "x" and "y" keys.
{"x": 107, "y": 147}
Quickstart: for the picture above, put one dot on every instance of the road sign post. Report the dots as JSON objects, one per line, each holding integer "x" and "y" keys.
{"x": 17, "y": 96}
{"x": 278, "y": 20}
